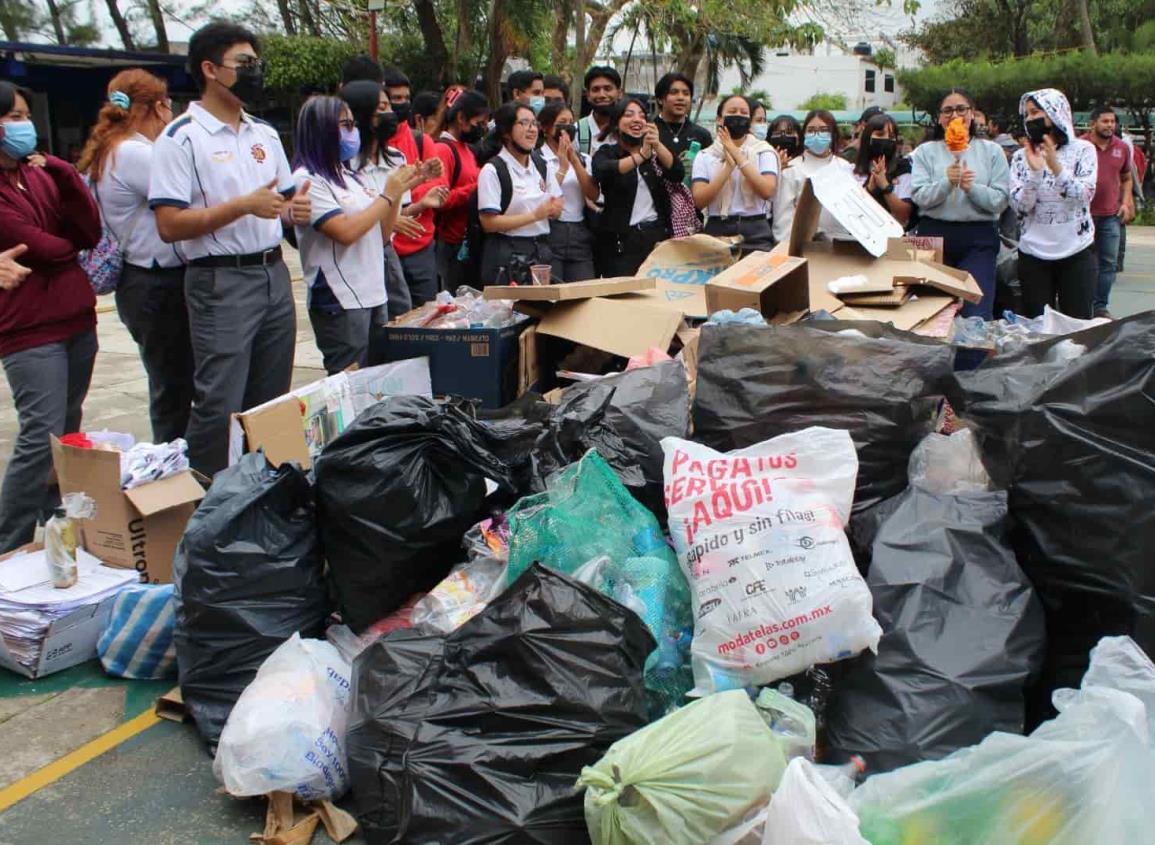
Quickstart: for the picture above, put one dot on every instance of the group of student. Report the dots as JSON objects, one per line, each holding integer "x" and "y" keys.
{"x": 388, "y": 205}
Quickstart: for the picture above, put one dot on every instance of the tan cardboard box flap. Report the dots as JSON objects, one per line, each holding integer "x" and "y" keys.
{"x": 869, "y": 223}
{"x": 688, "y": 261}
{"x": 157, "y": 496}
{"x": 611, "y": 325}
{"x": 88, "y": 471}
{"x": 687, "y": 300}
{"x": 891, "y": 299}
{"x": 276, "y": 428}
{"x": 924, "y": 243}
{"x": 572, "y": 290}
{"x": 950, "y": 280}
{"x": 906, "y": 317}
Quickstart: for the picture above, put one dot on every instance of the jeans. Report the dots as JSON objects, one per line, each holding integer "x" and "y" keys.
{"x": 1067, "y": 284}
{"x": 421, "y": 275}
{"x": 48, "y": 385}
{"x": 973, "y": 247}
{"x": 1108, "y": 234}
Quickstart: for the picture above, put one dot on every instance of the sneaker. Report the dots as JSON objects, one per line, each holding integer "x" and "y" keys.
{"x": 1103, "y": 312}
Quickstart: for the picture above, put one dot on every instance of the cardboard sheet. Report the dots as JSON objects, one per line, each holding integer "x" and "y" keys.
{"x": 612, "y": 325}
{"x": 570, "y": 291}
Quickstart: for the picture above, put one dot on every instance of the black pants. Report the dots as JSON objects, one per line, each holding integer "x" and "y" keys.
{"x": 498, "y": 250}
{"x": 755, "y": 232}
{"x": 1067, "y": 284}
{"x": 621, "y": 254}
{"x": 151, "y": 304}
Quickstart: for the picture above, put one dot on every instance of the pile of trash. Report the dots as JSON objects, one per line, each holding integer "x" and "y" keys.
{"x": 465, "y": 309}
{"x": 789, "y": 610}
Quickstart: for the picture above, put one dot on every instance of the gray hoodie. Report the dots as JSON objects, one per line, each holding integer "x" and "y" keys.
{"x": 1054, "y": 211}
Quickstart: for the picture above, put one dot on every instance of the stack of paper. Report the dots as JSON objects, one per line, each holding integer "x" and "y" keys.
{"x": 30, "y": 605}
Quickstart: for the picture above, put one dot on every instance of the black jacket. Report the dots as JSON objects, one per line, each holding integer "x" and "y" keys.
{"x": 620, "y": 189}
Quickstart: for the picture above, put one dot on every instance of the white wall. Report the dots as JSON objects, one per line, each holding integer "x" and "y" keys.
{"x": 791, "y": 80}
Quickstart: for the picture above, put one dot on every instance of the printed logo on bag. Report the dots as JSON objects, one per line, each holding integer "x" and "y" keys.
{"x": 756, "y": 588}
{"x": 806, "y": 542}
{"x": 795, "y": 594}
{"x": 709, "y": 607}
{"x": 259, "y": 154}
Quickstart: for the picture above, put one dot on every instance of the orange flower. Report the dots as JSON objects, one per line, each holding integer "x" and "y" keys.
{"x": 957, "y": 137}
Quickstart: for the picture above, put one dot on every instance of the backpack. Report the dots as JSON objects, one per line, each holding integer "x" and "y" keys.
{"x": 585, "y": 137}
{"x": 104, "y": 262}
{"x": 474, "y": 243}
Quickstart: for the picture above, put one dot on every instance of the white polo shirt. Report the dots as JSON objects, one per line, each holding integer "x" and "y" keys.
{"x": 529, "y": 191}
{"x": 122, "y": 194}
{"x": 571, "y": 187}
{"x": 592, "y": 127}
{"x": 374, "y": 174}
{"x": 706, "y": 167}
{"x": 355, "y": 273}
{"x": 199, "y": 162}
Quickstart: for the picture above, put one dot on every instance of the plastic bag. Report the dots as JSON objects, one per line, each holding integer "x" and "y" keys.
{"x": 248, "y": 575}
{"x": 1118, "y": 663}
{"x": 287, "y": 730}
{"x": 685, "y": 778}
{"x": 138, "y": 642}
{"x": 949, "y": 464}
{"x": 962, "y": 634}
{"x": 880, "y": 384}
{"x": 760, "y": 536}
{"x": 1074, "y": 444}
{"x": 792, "y": 723}
{"x": 479, "y": 736}
{"x": 395, "y": 493}
{"x": 806, "y": 810}
{"x": 462, "y": 595}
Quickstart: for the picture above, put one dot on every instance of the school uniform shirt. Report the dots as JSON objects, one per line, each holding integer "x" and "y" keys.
{"x": 200, "y": 162}
{"x": 591, "y": 129}
{"x": 571, "y": 187}
{"x": 354, "y": 273}
{"x": 790, "y": 185}
{"x": 529, "y": 191}
{"x": 375, "y": 173}
{"x": 122, "y": 194}
{"x": 742, "y": 203}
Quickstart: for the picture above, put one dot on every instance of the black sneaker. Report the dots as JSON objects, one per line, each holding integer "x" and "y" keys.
{"x": 1103, "y": 312}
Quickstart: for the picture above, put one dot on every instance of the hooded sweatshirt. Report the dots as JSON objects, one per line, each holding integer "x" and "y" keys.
{"x": 1054, "y": 212}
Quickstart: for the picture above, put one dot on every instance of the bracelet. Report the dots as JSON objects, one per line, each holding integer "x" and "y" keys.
{"x": 889, "y": 189}
{"x": 388, "y": 199}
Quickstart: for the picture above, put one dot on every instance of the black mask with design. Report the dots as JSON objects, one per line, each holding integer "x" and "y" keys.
{"x": 250, "y": 84}
{"x": 387, "y": 123}
{"x": 788, "y": 143}
{"x": 567, "y": 129}
{"x": 473, "y": 134}
{"x": 402, "y": 110}
{"x": 882, "y": 147}
{"x": 738, "y": 125}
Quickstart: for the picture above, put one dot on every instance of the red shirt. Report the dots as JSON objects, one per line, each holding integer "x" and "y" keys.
{"x": 406, "y": 144}
{"x": 454, "y": 217}
{"x": 54, "y": 217}
{"x": 1114, "y": 164}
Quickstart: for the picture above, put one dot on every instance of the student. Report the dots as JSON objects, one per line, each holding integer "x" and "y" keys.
{"x": 850, "y": 148}
{"x": 424, "y": 115}
{"x": 221, "y": 187}
{"x": 360, "y": 67}
{"x": 570, "y": 239}
{"x": 519, "y": 227}
{"x": 150, "y": 294}
{"x": 676, "y": 128}
{"x": 1053, "y": 180}
{"x": 632, "y": 169}
{"x": 785, "y": 136}
{"x": 759, "y": 122}
{"x": 960, "y": 198}
{"x": 821, "y": 143}
{"x": 735, "y": 179}
{"x": 466, "y": 121}
{"x": 342, "y": 246}
{"x": 377, "y": 123}
{"x": 603, "y": 87}
{"x": 418, "y": 253}
{"x": 882, "y": 171}
{"x": 554, "y": 89}
{"x": 528, "y": 88}
{"x": 47, "y": 310}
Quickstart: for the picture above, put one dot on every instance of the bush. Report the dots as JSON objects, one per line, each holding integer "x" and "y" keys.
{"x": 822, "y": 100}
{"x": 294, "y": 63}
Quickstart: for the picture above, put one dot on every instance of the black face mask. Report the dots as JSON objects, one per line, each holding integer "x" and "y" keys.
{"x": 387, "y": 123}
{"x": 884, "y": 147}
{"x": 250, "y": 84}
{"x": 1036, "y": 130}
{"x": 789, "y": 143}
{"x": 737, "y": 125}
{"x": 565, "y": 129}
{"x": 519, "y": 148}
{"x": 603, "y": 110}
{"x": 402, "y": 110}
{"x": 473, "y": 134}
{"x": 629, "y": 140}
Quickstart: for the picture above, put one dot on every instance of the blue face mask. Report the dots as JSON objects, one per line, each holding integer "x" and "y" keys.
{"x": 19, "y": 139}
{"x": 759, "y": 130}
{"x": 537, "y": 104}
{"x": 818, "y": 143}
{"x": 350, "y": 144}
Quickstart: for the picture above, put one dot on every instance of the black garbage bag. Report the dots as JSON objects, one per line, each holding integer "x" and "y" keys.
{"x": 479, "y": 736}
{"x": 396, "y": 493}
{"x": 1073, "y": 440}
{"x": 962, "y": 634}
{"x": 758, "y": 382}
{"x": 249, "y": 574}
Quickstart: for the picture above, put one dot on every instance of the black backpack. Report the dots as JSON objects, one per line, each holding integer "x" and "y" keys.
{"x": 474, "y": 243}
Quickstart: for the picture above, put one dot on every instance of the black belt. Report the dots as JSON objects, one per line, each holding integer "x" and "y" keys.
{"x": 537, "y": 239}
{"x": 734, "y": 218}
{"x": 252, "y": 259}
{"x": 155, "y": 269}
{"x": 647, "y": 225}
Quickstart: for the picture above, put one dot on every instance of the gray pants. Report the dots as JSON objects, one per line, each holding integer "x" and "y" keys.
{"x": 396, "y": 288}
{"x": 151, "y": 305}
{"x": 451, "y": 271}
{"x": 343, "y": 338}
{"x": 48, "y": 385}
{"x": 244, "y": 330}
{"x": 572, "y": 245}
{"x": 421, "y": 275}
{"x": 755, "y": 232}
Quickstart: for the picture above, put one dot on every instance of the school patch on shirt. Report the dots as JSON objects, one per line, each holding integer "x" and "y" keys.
{"x": 259, "y": 154}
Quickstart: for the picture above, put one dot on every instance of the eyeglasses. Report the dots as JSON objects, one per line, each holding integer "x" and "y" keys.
{"x": 818, "y": 130}
{"x": 947, "y": 111}
{"x": 526, "y": 123}
{"x": 348, "y": 125}
{"x": 247, "y": 63}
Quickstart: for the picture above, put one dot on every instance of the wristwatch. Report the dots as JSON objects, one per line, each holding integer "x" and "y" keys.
{"x": 889, "y": 189}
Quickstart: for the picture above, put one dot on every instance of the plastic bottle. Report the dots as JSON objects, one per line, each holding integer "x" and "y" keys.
{"x": 61, "y": 538}
{"x": 846, "y": 777}
{"x": 790, "y": 720}
{"x": 821, "y": 687}
{"x": 691, "y": 154}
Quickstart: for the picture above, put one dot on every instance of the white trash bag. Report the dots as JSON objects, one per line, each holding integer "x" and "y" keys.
{"x": 807, "y": 810}
{"x": 760, "y": 535}
{"x": 287, "y": 730}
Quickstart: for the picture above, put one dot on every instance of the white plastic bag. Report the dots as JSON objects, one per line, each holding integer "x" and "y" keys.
{"x": 949, "y": 465}
{"x": 760, "y": 535}
{"x": 1118, "y": 663}
{"x": 287, "y": 730}
{"x": 806, "y": 810}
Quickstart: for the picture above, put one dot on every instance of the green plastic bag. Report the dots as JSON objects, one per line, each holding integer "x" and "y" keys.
{"x": 686, "y": 778}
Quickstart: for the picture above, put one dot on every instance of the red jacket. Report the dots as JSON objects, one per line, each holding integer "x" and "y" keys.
{"x": 55, "y": 217}
{"x": 454, "y": 217}
{"x": 406, "y": 144}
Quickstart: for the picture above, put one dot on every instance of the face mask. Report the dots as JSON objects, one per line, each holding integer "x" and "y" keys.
{"x": 759, "y": 130}
{"x": 473, "y": 134}
{"x": 604, "y": 109}
{"x": 249, "y": 86}
{"x": 788, "y": 143}
{"x": 1036, "y": 130}
{"x": 402, "y": 110}
{"x": 818, "y": 143}
{"x": 19, "y": 139}
{"x": 737, "y": 125}
{"x": 565, "y": 129}
{"x": 387, "y": 123}
{"x": 537, "y": 104}
{"x": 350, "y": 144}
{"x": 982, "y": 132}
{"x": 631, "y": 140}
{"x": 519, "y": 148}
{"x": 884, "y": 147}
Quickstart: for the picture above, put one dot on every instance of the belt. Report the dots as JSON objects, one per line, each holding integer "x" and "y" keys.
{"x": 252, "y": 259}
{"x": 537, "y": 239}
{"x": 734, "y": 218}
{"x": 647, "y": 225}
{"x": 155, "y": 269}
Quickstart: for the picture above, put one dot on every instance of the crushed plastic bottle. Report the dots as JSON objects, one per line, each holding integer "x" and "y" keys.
{"x": 791, "y": 721}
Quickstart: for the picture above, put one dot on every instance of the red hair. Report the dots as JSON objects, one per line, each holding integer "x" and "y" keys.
{"x": 115, "y": 122}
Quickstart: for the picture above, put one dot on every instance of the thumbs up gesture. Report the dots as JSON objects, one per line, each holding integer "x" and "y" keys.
{"x": 266, "y": 201}
{"x": 301, "y": 207}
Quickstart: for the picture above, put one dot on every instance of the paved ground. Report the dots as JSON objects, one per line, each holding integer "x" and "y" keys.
{"x": 157, "y": 786}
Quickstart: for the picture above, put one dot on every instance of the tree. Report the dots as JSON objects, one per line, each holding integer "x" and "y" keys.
{"x": 18, "y": 18}
{"x": 885, "y": 59}
{"x": 64, "y": 26}
{"x": 121, "y": 24}
{"x": 297, "y": 62}
{"x": 822, "y": 100}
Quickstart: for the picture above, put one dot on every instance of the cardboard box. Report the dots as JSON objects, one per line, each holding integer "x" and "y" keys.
{"x": 682, "y": 268}
{"x": 570, "y": 290}
{"x": 768, "y": 283}
{"x": 618, "y": 326}
{"x": 297, "y": 426}
{"x": 132, "y": 529}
